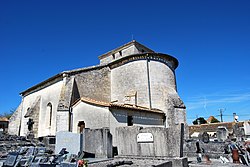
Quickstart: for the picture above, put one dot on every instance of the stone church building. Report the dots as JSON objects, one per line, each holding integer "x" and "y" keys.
{"x": 132, "y": 85}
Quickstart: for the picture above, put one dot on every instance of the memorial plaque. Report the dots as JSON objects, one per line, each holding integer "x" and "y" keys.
{"x": 145, "y": 138}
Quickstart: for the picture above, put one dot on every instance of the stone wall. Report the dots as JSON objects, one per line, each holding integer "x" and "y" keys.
{"x": 66, "y": 98}
{"x": 98, "y": 142}
{"x": 14, "y": 122}
{"x": 166, "y": 142}
{"x": 94, "y": 84}
{"x": 150, "y": 79}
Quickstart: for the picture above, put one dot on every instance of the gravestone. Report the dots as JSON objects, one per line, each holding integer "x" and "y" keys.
{"x": 30, "y": 124}
{"x": 11, "y": 159}
{"x": 222, "y": 133}
{"x": 68, "y": 140}
{"x": 30, "y": 134}
{"x": 205, "y": 137}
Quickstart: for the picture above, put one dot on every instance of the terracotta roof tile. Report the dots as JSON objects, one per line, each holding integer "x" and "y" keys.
{"x": 4, "y": 119}
{"x": 118, "y": 105}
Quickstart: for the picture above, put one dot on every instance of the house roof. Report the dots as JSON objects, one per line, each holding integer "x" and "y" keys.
{"x": 210, "y": 119}
{"x": 117, "y": 105}
{"x": 4, "y": 119}
{"x": 212, "y": 127}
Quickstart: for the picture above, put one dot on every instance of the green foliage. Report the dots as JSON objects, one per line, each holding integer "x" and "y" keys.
{"x": 201, "y": 119}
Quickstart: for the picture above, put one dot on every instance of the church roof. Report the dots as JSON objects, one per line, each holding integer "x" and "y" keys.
{"x": 60, "y": 76}
{"x": 117, "y": 105}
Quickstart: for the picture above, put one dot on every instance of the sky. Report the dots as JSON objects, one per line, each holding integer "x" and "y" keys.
{"x": 210, "y": 38}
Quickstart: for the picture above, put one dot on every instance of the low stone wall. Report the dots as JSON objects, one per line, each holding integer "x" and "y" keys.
{"x": 213, "y": 149}
{"x": 98, "y": 142}
{"x": 165, "y": 142}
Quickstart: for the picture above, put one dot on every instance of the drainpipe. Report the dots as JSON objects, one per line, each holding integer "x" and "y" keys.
{"x": 149, "y": 89}
{"x": 70, "y": 119}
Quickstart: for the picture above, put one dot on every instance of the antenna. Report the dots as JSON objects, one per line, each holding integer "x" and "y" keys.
{"x": 132, "y": 36}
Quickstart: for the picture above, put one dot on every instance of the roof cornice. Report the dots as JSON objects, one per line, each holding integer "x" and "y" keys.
{"x": 164, "y": 58}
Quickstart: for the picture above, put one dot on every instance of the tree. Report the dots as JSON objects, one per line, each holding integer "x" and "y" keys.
{"x": 7, "y": 114}
{"x": 201, "y": 120}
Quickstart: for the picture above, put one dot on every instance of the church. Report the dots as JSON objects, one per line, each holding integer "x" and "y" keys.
{"x": 132, "y": 85}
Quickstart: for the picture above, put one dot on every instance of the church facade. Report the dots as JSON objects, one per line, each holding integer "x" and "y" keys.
{"x": 132, "y": 85}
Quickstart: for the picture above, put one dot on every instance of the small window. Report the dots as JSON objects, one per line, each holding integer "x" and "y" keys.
{"x": 49, "y": 114}
{"x": 120, "y": 52}
{"x": 130, "y": 120}
{"x": 113, "y": 55}
{"x": 142, "y": 51}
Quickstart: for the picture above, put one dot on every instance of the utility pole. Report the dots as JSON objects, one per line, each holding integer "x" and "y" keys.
{"x": 221, "y": 111}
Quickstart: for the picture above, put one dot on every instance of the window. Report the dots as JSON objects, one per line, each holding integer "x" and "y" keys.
{"x": 113, "y": 55}
{"x": 49, "y": 114}
{"x": 130, "y": 120}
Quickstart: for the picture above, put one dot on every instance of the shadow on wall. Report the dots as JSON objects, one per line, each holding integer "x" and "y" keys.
{"x": 138, "y": 117}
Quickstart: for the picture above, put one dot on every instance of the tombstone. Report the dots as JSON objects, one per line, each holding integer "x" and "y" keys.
{"x": 30, "y": 134}
{"x": 30, "y": 124}
{"x": 68, "y": 140}
{"x": 30, "y": 151}
{"x": 222, "y": 133}
{"x": 198, "y": 151}
{"x": 11, "y": 159}
{"x": 205, "y": 137}
{"x": 1, "y": 132}
{"x": 247, "y": 127}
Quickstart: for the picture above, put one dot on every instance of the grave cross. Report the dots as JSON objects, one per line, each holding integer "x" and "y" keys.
{"x": 30, "y": 124}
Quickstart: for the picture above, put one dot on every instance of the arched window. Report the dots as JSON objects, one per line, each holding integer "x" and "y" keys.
{"x": 49, "y": 114}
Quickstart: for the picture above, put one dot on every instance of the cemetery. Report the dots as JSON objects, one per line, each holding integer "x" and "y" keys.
{"x": 125, "y": 111}
{"x": 145, "y": 146}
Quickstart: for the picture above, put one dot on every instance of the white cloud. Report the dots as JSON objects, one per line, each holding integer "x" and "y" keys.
{"x": 199, "y": 102}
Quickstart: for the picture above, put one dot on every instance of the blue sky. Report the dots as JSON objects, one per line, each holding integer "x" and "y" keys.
{"x": 210, "y": 38}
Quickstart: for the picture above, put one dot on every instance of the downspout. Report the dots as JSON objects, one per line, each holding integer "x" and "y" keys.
{"x": 149, "y": 89}
{"x": 70, "y": 119}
